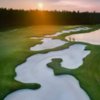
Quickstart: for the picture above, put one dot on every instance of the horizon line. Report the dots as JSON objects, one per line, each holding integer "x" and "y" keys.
{"x": 49, "y": 10}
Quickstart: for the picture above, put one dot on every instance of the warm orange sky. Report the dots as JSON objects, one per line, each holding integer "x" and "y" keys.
{"x": 82, "y": 5}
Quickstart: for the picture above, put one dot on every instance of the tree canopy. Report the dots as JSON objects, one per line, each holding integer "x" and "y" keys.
{"x": 10, "y": 17}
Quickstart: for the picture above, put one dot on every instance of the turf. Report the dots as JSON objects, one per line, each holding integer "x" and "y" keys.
{"x": 14, "y": 49}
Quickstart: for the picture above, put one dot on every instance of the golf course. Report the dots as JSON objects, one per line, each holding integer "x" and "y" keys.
{"x": 34, "y": 59}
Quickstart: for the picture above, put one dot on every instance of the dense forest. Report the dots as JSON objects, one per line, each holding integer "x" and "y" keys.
{"x": 10, "y": 17}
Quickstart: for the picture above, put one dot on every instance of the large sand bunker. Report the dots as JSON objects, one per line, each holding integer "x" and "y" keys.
{"x": 92, "y": 37}
{"x": 48, "y": 43}
{"x": 64, "y": 87}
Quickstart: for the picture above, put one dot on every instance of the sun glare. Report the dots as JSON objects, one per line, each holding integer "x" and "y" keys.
{"x": 40, "y": 6}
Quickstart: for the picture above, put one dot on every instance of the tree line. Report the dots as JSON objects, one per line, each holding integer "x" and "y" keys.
{"x": 11, "y": 17}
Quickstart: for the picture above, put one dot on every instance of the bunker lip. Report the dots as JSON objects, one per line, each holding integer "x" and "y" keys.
{"x": 91, "y": 37}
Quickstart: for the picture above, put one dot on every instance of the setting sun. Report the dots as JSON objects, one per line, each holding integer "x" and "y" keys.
{"x": 40, "y": 6}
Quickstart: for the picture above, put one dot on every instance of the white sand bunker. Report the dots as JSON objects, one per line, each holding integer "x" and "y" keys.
{"x": 69, "y": 31}
{"x": 35, "y": 68}
{"x": 92, "y": 37}
{"x": 64, "y": 87}
{"x": 48, "y": 43}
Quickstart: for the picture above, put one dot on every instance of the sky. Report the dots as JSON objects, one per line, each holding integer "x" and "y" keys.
{"x": 70, "y": 5}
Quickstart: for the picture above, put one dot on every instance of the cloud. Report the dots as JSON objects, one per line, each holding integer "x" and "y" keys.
{"x": 83, "y": 5}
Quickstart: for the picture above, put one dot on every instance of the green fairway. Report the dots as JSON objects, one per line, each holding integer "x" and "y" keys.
{"x": 15, "y": 48}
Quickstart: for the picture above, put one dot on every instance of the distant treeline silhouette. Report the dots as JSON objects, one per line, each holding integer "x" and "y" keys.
{"x": 10, "y": 17}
